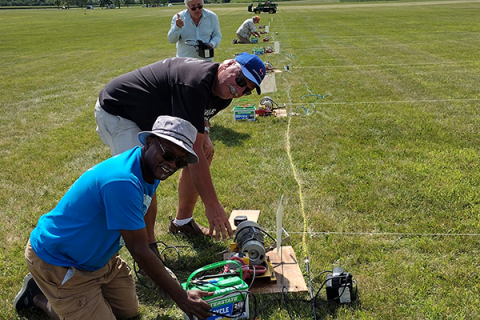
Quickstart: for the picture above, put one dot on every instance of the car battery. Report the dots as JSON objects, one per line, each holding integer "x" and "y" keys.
{"x": 246, "y": 112}
{"x": 259, "y": 51}
{"x": 229, "y": 299}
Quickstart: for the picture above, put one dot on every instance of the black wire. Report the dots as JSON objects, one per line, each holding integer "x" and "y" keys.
{"x": 252, "y": 237}
{"x": 287, "y": 300}
{"x": 269, "y": 97}
{"x": 318, "y": 292}
{"x": 356, "y": 290}
{"x": 266, "y": 233}
{"x": 136, "y": 267}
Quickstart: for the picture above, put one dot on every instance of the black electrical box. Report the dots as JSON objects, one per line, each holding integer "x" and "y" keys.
{"x": 340, "y": 286}
{"x": 204, "y": 50}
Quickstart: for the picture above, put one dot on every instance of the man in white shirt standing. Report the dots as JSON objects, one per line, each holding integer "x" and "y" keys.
{"x": 194, "y": 23}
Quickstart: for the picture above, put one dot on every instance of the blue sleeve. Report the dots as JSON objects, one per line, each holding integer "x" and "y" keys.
{"x": 125, "y": 205}
{"x": 216, "y": 34}
{"x": 175, "y": 32}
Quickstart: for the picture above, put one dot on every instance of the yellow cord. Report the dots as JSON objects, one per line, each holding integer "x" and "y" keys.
{"x": 304, "y": 236}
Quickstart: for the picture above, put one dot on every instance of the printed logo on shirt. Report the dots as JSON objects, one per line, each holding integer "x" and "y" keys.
{"x": 146, "y": 203}
{"x": 192, "y": 60}
{"x": 209, "y": 112}
{"x": 186, "y": 60}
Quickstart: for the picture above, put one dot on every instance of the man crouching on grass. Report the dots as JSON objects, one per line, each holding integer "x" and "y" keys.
{"x": 72, "y": 254}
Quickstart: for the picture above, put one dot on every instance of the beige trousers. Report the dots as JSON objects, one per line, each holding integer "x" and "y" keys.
{"x": 103, "y": 294}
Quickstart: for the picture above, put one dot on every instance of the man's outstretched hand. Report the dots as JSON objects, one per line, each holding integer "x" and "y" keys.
{"x": 179, "y": 22}
{"x": 219, "y": 223}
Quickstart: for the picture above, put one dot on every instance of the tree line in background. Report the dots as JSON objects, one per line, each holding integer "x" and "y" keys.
{"x": 85, "y": 3}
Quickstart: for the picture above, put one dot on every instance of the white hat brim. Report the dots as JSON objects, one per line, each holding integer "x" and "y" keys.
{"x": 191, "y": 156}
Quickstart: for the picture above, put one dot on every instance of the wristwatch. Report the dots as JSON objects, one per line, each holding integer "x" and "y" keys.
{"x": 207, "y": 129}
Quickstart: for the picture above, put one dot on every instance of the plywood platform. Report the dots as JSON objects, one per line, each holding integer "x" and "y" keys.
{"x": 252, "y": 215}
{"x": 280, "y": 113}
{"x": 285, "y": 264}
{"x": 288, "y": 274}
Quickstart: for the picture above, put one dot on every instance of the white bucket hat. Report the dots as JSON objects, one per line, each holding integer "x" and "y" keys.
{"x": 176, "y": 130}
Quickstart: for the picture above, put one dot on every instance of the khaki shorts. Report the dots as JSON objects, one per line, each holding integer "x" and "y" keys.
{"x": 118, "y": 133}
{"x": 243, "y": 39}
{"x": 76, "y": 294}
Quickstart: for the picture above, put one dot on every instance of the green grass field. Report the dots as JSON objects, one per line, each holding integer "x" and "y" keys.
{"x": 382, "y": 177}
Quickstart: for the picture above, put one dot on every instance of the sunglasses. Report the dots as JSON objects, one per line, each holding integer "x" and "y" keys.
{"x": 200, "y": 7}
{"x": 242, "y": 83}
{"x": 169, "y": 156}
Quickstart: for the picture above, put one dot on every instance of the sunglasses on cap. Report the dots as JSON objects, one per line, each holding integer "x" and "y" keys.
{"x": 200, "y": 7}
{"x": 169, "y": 156}
{"x": 242, "y": 83}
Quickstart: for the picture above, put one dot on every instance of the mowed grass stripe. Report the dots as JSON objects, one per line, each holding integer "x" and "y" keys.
{"x": 392, "y": 149}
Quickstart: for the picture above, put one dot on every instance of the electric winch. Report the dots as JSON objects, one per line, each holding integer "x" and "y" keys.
{"x": 249, "y": 250}
{"x": 250, "y": 240}
{"x": 267, "y": 107}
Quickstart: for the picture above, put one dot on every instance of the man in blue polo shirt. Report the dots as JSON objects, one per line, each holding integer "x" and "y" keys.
{"x": 72, "y": 254}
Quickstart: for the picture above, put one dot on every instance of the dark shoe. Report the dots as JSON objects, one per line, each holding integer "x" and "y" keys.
{"x": 192, "y": 228}
{"x": 24, "y": 298}
{"x": 234, "y": 41}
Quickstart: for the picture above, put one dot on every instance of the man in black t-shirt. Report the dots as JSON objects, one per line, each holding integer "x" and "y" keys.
{"x": 191, "y": 89}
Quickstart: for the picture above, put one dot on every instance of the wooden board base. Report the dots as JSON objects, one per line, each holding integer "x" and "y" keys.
{"x": 280, "y": 113}
{"x": 287, "y": 273}
{"x": 252, "y": 215}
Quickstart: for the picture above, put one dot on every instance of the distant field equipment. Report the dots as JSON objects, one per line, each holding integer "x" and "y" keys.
{"x": 267, "y": 6}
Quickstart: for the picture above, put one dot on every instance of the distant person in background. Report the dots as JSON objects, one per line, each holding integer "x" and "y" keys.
{"x": 246, "y": 30}
{"x": 194, "y": 23}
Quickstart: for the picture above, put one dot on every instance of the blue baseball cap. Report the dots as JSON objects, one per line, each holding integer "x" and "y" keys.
{"x": 252, "y": 67}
